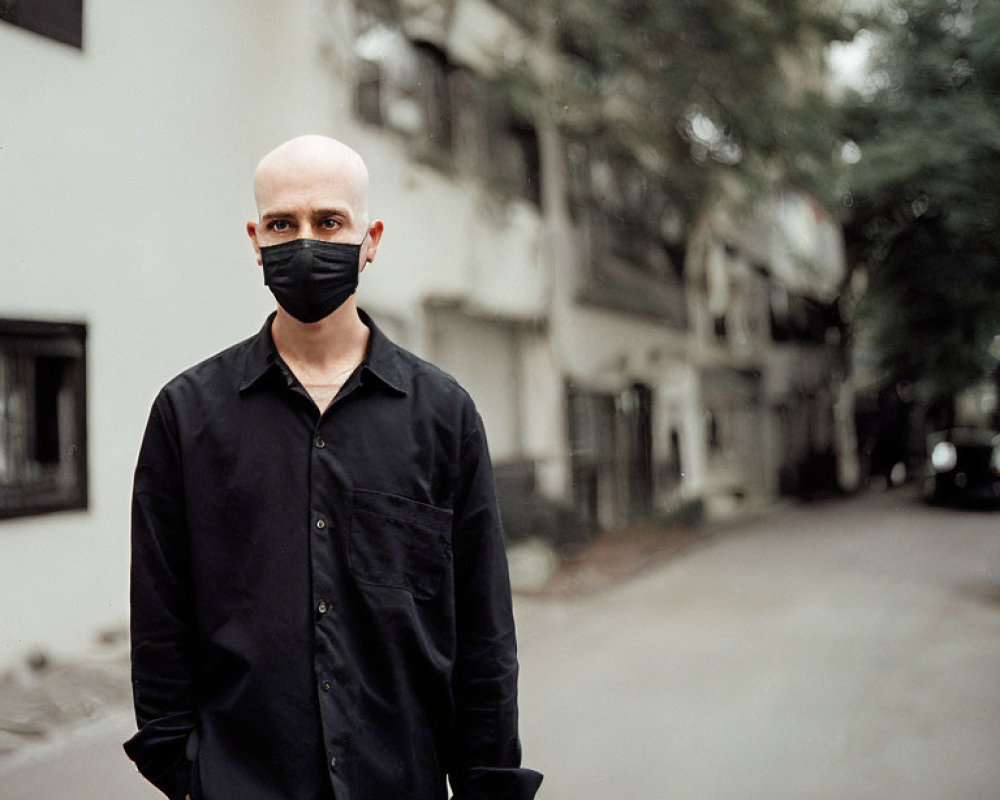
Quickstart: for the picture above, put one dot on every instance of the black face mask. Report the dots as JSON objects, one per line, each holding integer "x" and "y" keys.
{"x": 311, "y": 278}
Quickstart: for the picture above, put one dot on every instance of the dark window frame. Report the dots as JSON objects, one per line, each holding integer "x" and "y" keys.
{"x": 43, "y": 417}
{"x": 61, "y": 20}
{"x": 382, "y": 87}
{"x": 514, "y": 152}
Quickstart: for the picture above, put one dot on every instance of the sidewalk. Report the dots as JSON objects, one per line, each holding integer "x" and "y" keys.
{"x": 45, "y": 698}
{"x": 537, "y": 570}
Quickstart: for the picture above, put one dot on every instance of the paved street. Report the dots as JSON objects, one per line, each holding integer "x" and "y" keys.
{"x": 846, "y": 650}
{"x": 842, "y": 651}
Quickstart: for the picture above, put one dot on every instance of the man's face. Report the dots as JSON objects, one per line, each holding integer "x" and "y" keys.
{"x": 311, "y": 194}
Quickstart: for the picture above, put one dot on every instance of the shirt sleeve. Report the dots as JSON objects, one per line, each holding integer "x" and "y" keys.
{"x": 486, "y": 747}
{"x": 162, "y": 628}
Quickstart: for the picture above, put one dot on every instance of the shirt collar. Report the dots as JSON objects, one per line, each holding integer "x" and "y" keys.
{"x": 383, "y": 359}
{"x": 261, "y": 356}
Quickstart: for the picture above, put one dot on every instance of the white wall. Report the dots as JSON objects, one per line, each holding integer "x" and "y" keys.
{"x": 125, "y": 182}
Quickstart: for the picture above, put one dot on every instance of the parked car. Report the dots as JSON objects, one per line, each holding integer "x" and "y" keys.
{"x": 963, "y": 467}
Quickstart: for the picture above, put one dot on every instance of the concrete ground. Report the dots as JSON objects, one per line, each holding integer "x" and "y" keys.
{"x": 843, "y": 651}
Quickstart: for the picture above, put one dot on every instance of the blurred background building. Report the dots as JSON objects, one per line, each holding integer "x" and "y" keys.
{"x": 633, "y": 361}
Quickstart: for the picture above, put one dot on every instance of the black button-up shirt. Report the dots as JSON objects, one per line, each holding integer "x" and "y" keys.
{"x": 320, "y": 602}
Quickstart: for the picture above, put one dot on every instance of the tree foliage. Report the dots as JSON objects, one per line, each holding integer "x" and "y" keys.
{"x": 703, "y": 89}
{"x": 926, "y": 192}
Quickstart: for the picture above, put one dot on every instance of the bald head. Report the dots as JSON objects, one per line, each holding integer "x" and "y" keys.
{"x": 316, "y": 160}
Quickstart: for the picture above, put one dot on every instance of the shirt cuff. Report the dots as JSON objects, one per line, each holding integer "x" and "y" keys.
{"x": 497, "y": 783}
{"x": 158, "y": 750}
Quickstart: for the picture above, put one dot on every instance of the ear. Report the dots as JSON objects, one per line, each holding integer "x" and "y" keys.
{"x": 371, "y": 243}
{"x": 252, "y": 233}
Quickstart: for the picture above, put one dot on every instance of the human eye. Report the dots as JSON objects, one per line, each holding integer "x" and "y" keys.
{"x": 278, "y": 225}
{"x": 329, "y": 223}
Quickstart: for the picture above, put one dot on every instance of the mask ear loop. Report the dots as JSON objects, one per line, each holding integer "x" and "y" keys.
{"x": 362, "y": 244}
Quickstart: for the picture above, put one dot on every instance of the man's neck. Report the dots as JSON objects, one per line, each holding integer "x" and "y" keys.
{"x": 338, "y": 341}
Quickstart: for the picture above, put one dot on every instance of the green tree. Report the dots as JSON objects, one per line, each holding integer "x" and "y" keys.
{"x": 926, "y": 193}
{"x": 702, "y": 90}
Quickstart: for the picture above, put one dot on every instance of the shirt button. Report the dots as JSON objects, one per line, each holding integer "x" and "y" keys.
{"x": 321, "y": 523}
{"x": 320, "y": 443}
{"x": 326, "y": 686}
{"x": 322, "y": 607}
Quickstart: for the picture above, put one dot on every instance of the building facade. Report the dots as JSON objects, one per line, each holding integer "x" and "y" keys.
{"x": 626, "y": 360}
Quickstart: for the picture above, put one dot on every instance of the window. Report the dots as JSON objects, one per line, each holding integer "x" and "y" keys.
{"x": 514, "y": 153}
{"x": 368, "y": 92}
{"x": 469, "y": 95}
{"x": 43, "y": 458}
{"x": 403, "y": 85}
{"x": 454, "y": 119}
{"x": 719, "y": 328}
{"x": 632, "y": 231}
{"x": 801, "y": 319}
{"x": 388, "y": 88}
{"x": 61, "y": 20}
{"x": 436, "y": 96}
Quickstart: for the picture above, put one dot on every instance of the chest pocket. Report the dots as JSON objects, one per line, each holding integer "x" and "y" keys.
{"x": 399, "y": 543}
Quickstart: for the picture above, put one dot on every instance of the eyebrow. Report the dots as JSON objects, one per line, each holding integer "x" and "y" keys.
{"x": 319, "y": 212}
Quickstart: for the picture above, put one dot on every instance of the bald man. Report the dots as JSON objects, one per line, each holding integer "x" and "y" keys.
{"x": 320, "y": 601}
